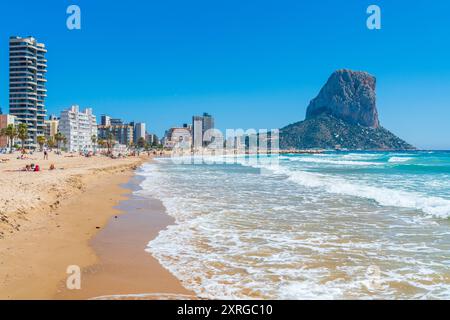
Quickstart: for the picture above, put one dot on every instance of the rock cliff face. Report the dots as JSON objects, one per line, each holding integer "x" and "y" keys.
{"x": 343, "y": 115}
{"x": 347, "y": 95}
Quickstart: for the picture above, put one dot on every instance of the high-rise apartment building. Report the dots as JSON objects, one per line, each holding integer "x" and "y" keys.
{"x": 139, "y": 131}
{"x": 122, "y": 134}
{"x": 78, "y": 127}
{"x": 208, "y": 122}
{"x": 105, "y": 120}
{"x": 151, "y": 139}
{"x": 197, "y": 132}
{"x": 201, "y": 124}
{"x": 27, "y": 92}
{"x": 116, "y": 122}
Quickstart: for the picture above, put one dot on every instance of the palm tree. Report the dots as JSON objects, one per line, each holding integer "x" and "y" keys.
{"x": 51, "y": 142}
{"x": 41, "y": 141}
{"x": 94, "y": 143}
{"x": 64, "y": 141}
{"x": 58, "y": 138}
{"x": 110, "y": 142}
{"x": 22, "y": 134}
{"x": 11, "y": 133}
{"x": 101, "y": 143}
{"x": 141, "y": 142}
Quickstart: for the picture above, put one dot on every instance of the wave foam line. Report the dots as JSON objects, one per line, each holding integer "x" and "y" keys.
{"x": 434, "y": 206}
{"x": 336, "y": 162}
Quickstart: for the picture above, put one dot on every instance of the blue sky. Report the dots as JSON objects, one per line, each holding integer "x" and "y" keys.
{"x": 252, "y": 64}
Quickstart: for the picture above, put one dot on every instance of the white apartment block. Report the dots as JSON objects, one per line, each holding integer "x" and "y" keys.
{"x": 139, "y": 131}
{"x": 78, "y": 127}
{"x": 176, "y": 136}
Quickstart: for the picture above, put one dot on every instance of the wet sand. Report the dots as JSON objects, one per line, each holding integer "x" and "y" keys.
{"x": 124, "y": 270}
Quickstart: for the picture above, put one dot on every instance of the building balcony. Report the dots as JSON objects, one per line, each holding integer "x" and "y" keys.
{"x": 22, "y": 67}
{"x": 16, "y": 82}
{"x": 23, "y": 73}
{"x": 26, "y": 99}
{"x": 23, "y": 59}
{"x": 18, "y": 50}
{"x": 22, "y": 110}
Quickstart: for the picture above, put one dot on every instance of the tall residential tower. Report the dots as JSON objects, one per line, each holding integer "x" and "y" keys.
{"x": 208, "y": 122}
{"x": 27, "y": 69}
{"x": 139, "y": 132}
{"x": 201, "y": 125}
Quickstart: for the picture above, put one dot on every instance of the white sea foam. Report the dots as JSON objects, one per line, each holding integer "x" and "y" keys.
{"x": 435, "y": 206}
{"x": 239, "y": 234}
{"x": 361, "y": 156}
{"x": 399, "y": 159}
{"x": 335, "y": 161}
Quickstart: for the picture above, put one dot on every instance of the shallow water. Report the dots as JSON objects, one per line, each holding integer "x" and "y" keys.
{"x": 333, "y": 226}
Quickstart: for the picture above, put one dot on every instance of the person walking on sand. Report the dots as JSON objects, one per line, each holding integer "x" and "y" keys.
{"x": 45, "y": 155}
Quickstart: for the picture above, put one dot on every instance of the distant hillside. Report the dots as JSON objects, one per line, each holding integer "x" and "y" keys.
{"x": 343, "y": 115}
{"x": 329, "y": 132}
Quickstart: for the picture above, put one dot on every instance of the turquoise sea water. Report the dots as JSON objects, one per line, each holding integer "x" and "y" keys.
{"x": 334, "y": 225}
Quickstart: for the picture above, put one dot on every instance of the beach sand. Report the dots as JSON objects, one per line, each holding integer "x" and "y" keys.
{"x": 124, "y": 269}
{"x": 53, "y": 219}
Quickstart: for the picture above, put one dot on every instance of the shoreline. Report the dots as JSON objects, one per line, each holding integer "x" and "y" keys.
{"x": 73, "y": 206}
{"x": 124, "y": 270}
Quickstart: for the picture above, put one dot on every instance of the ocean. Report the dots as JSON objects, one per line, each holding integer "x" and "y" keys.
{"x": 337, "y": 225}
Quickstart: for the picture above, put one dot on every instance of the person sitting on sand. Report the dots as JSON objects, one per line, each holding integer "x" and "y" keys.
{"x": 52, "y": 167}
{"x": 36, "y": 168}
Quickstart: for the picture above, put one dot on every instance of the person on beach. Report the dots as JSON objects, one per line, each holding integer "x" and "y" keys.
{"x": 45, "y": 155}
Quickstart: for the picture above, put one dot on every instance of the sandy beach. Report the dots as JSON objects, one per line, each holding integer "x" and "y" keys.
{"x": 69, "y": 216}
